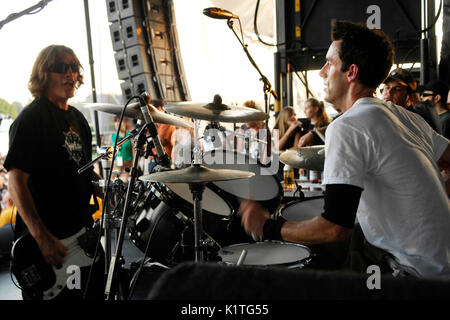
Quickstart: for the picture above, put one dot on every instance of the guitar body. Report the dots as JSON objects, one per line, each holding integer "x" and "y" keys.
{"x": 36, "y": 277}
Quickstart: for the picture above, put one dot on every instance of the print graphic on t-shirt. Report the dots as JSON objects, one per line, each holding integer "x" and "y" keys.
{"x": 73, "y": 146}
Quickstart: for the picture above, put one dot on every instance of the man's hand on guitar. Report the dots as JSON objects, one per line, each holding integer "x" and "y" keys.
{"x": 52, "y": 249}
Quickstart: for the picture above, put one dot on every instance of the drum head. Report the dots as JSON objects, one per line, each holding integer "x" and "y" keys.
{"x": 211, "y": 201}
{"x": 299, "y": 210}
{"x": 265, "y": 253}
{"x": 264, "y": 185}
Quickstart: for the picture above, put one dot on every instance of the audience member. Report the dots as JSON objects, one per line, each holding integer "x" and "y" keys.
{"x": 401, "y": 88}
{"x": 289, "y": 129}
{"x": 436, "y": 91}
{"x": 124, "y": 154}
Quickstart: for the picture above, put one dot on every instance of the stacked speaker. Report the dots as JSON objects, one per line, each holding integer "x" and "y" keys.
{"x": 147, "y": 55}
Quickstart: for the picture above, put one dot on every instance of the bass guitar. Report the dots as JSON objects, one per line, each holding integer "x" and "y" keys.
{"x": 39, "y": 279}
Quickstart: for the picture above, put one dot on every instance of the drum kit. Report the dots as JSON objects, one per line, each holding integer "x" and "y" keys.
{"x": 160, "y": 207}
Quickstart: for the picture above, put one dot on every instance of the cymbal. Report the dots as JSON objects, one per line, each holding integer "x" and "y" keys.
{"x": 215, "y": 111}
{"x": 196, "y": 174}
{"x": 310, "y": 158}
{"x": 133, "y": 111}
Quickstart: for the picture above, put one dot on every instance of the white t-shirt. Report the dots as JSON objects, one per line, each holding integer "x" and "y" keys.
{"x": 391, "y": 153}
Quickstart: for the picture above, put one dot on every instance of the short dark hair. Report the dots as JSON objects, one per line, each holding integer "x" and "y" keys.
{"x": 438, "y": 87}
{"x": 404, "y": 77}
{"x": 370, "y": 49}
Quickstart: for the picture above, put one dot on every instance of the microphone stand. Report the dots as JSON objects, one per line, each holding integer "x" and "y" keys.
{"x": 108, "y": 223}
{"x": 117, "y": 258}
{"x": 140, "y": 140}
{"x": 267, "y": 87}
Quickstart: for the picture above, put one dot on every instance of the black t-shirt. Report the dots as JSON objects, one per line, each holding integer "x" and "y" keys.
{"x": 306, "y": 127}
{"x": 291, "y": 140}
{"x": 51, "y": 144}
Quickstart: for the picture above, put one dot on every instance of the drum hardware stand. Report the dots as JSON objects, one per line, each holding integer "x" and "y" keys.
{"x": 197, "y": 192}
{"x": 140, "y": 140}
{"x": 207, "y": 244}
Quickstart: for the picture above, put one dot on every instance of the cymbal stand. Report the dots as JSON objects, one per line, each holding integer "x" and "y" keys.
{"x": 197, "y": 192}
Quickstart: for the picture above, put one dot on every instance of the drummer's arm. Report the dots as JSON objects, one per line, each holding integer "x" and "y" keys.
{"x": 314, "y": 231}
{"x": 334, "y": 225}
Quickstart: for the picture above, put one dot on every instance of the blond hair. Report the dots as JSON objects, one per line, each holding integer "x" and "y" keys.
{"x": 39, "y": 75}
{"x": 281, "y": 123}
{"x": 323, "y": 117}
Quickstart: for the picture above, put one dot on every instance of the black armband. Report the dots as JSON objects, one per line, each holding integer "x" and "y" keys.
{"x": 272, "y": 229}
{"x": 341, "y": 204}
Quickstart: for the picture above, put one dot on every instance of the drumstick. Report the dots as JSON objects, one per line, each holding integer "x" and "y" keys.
{"x": 242, "y": 257}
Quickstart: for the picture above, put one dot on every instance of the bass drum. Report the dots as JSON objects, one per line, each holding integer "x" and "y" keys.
{"x": 162, "y": 223}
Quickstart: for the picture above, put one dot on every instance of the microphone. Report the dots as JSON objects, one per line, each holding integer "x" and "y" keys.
{"x": 144, "y": 100}
{"x": 218, "y": 13}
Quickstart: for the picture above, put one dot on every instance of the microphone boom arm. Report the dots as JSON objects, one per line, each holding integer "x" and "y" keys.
{"x": 267, "y": 86}
{"x": 266, "y": 82}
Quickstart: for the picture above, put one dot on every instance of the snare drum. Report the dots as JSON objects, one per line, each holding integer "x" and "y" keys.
{"x": 268, "y": 253}
{"x": 299, "y": 210}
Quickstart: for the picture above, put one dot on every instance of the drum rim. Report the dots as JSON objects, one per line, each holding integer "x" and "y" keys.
{"x": 288, "y": 204}
{"x": 246, "y": 155}
{"x": 274, "y": 176}
{"x": 268, "y": 241}
{"x": 305, "y": 260}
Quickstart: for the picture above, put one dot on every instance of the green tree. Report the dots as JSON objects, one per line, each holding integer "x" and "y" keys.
{"x": 8, "y": 109}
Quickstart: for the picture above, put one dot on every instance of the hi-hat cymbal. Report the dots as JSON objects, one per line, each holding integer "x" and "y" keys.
{"x": 196, "y": 174}
{"x": 133, "y": 111}
{"x": 215, "y": 111}
{"x": 310, "y": 158}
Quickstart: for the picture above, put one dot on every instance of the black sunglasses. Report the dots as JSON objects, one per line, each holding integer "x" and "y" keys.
{"x": 427, "y": 94}
{"x": 63, "y": 67}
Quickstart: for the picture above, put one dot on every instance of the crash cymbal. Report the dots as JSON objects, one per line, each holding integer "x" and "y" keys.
{"x": 196, "y": 174}
{"x": 133, "y": 111}
{"x": 215, "y": 111}
{"x": 310, "y": 158}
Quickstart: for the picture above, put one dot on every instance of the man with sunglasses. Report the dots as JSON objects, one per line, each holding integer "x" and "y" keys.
{"x": 49, "y": 141}
{"x": 401, "y": 89}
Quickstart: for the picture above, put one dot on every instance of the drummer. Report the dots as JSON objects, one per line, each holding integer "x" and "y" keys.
{"x": 378, "y": 167}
